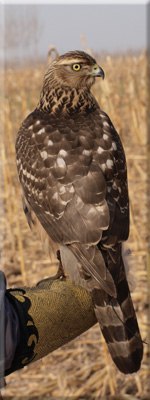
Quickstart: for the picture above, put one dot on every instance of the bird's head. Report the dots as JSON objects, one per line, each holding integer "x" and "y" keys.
{"x": 75, "y": 69}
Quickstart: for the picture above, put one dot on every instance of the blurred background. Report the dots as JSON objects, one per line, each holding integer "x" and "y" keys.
{"x": 30, "y": 29}
{"x": 117, "y": 36}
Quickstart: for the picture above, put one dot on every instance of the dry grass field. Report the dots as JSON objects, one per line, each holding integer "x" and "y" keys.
{"x": 81, "y": 369}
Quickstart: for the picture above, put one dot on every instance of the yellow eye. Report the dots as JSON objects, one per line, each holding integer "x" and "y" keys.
{"x": 76, "y": 67}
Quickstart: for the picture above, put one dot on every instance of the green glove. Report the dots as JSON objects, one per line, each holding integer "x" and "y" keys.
{"x": 50, "y": 314}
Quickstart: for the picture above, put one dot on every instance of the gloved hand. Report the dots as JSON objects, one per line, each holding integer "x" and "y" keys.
{"x": 50, "y": 315}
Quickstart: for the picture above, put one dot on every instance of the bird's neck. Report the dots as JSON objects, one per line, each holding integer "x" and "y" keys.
{"x": 67, "y": 100}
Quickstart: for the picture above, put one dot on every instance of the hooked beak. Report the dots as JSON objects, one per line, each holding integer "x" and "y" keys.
{"x": 98, "y": 71}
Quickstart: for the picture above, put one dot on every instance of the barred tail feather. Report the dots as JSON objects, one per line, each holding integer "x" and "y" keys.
{"x": 119, "y": 326}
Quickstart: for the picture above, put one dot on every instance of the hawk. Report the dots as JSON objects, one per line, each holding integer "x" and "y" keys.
{"x": 73, "y": 175}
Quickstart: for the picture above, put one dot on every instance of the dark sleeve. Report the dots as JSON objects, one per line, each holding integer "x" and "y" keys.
{"x": 9, "y": 329}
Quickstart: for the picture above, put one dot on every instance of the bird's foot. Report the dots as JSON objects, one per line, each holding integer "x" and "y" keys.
{"x": 59, "y": 274}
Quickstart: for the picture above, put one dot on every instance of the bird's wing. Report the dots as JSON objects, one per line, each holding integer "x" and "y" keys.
{"x": 73, "y": 175}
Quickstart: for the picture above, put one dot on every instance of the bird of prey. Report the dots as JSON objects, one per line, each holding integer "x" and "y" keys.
{"x": 73, "y": 175}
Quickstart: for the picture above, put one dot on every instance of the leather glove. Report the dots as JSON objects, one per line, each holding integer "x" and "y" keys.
{"x": 50, "y": 315}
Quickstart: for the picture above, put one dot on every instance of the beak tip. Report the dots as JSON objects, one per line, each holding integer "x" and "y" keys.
{"x": 102, "y": 74}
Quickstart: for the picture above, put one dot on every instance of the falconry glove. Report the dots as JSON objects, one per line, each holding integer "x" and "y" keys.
{"x": 50, "y": 315}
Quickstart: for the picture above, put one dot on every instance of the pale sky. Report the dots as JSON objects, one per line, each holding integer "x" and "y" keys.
{"x": 106, "y": 27}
